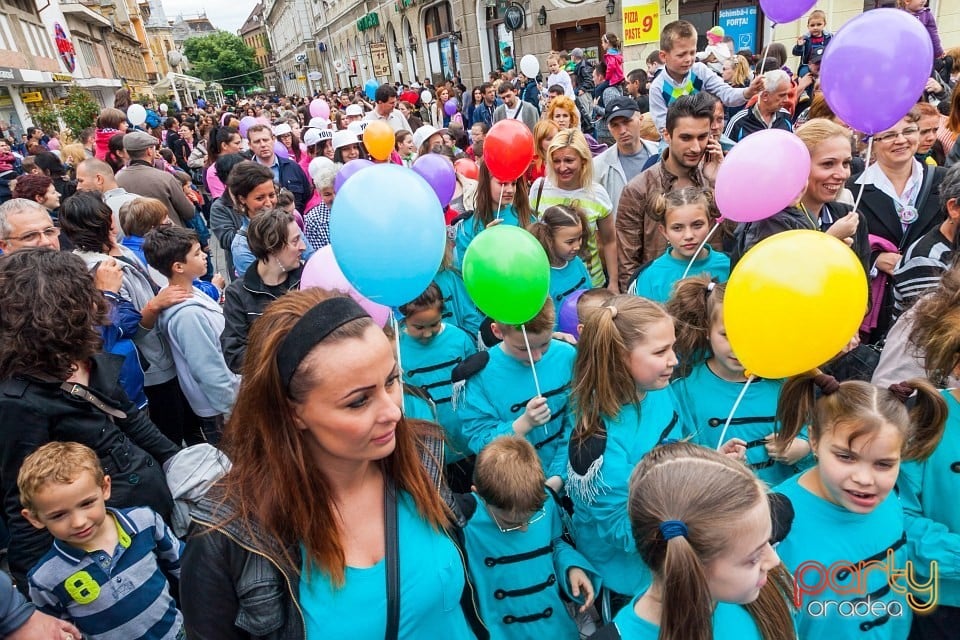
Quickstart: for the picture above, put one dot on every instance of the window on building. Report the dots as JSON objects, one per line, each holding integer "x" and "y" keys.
{"x": 6, "y": 37}
{"x": 87, "y": 53}
{"x": 443, "y": 54}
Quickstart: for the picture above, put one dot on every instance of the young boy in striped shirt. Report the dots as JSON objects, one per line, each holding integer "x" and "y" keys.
{"x": 108, "y": 568}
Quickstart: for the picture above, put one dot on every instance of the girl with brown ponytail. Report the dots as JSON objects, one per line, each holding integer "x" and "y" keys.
{"x": 702, "y": 523}
{"x": 845, "y": 509}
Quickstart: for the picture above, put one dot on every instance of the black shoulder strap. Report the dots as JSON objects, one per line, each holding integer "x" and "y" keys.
{"x": 536, "y": 207}
{"x": 392, "y": 560}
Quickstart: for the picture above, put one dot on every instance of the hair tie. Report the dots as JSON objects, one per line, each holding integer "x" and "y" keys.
{"x": 826, "y": 383}
{"x": 711, "y": 286}
{"x": 613, "y": 311}
{"x": 672, "y": 529}
{"x": 902, "y": 391}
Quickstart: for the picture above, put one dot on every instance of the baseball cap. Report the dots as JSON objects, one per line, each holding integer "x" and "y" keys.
{"x": 354, "y": 110}
{"x": 422, "y": 134}
{"x": 816, "y": 55}
{"x": 621, "y": 107}
{"x": 139, "y": 141}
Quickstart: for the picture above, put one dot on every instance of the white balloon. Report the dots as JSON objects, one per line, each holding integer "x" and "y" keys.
{"x": 529, "y": 66}
{"x": 136, "y": 114}
{"x": 426, "y": 96}
{"x": 399, "y": 66}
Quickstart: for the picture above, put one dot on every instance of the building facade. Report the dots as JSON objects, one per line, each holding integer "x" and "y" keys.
{"x": 254, "y": 35}
{"x": 84, "y": 48}
{"x": 294, "y": 51}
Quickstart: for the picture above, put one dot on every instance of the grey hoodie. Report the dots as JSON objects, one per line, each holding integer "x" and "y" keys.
{"x": 193, "y": 327}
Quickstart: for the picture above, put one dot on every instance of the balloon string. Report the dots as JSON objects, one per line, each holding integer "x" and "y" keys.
{"x": 396, "y": 337}
{"x": 856, "y": 204}
{"x": 533, "y": 367}
{"x": 733, "y": 411}
{"x": 693, "y": 258}
{"x": 773, "y": 29}
{"x": 500, "y": 203}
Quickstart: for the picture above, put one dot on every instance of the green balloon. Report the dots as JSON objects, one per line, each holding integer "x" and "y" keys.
{"x": 507, "y": 274}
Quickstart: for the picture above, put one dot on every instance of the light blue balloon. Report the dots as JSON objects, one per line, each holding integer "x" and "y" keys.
{"x": 370, "y": 88}
{"x": 388, "y": 233}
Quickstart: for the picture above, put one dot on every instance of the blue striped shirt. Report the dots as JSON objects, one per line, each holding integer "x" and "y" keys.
{"x": 124, "y": 596}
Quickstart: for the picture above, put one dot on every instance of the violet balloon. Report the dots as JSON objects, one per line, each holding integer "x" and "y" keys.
{"x": 281, "y": 150}
{"x": 450, "y": 106}
{"x": 784, "y": 11}
{"x": 439, "y": 173}
{"x": 323, "y": 271}
{"x": 348, "y": 170}
{"x": 875, "y": 69}
{"x": 245, "y": 123}
{"x": 568, "y": 319}
{"x": 764, "y": 173}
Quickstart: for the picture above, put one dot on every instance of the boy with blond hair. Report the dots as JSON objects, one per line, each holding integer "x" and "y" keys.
{"x": 515, "y": 548}
{"x": 108, "y": 568}
{"x": 683, "y": 75}
{"x": 495, "y": 393}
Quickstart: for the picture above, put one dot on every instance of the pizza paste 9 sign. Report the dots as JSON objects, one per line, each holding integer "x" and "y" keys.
{"x": 641, "y": 21}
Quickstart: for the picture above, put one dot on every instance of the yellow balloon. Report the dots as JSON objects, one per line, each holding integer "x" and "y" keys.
{"x": 378, "y": 139}
{"x": 793, "y": 302}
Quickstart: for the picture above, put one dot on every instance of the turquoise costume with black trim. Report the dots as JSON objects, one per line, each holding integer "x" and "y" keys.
{"x": 928, "y": 491}
{"x": 656, "y": 279}
{"x": 469, "y": 228}
{"x": 458, "y": 308}
{"x": 494, "y": 397}
{"x": 730, "y": 622}
{"x": 429, "y": 366}
{"x": 706, "y": 400}
{"x": 564, "y": 280}
{"x": 519, "y": 575}
{"x": 597, "y": 481}
{"x": 826, "y": 533}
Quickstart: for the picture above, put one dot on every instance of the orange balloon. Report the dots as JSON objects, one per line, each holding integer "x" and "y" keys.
{"x": 378, "y": 139}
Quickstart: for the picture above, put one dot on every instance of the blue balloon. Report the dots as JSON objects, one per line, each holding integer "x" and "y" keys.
{"x": 389, "y": 248}
{"x": 370, "y": 88}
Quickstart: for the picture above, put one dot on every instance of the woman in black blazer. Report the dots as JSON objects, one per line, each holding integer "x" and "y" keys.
{"x": 900, "y": 202}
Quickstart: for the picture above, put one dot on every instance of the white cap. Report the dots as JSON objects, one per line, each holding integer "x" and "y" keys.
{"x": 423, "y": 134}
{"x": 313, "y": 136}
{"x": 354, "y": 110}
{"x": 282, "y": 129}
{"x": 319, "y": 123}
{"x": 357, "y": 128}
{"x": 344, "y": 138}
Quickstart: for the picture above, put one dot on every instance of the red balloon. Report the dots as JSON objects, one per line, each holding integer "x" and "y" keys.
{"x": 410, "y": 96}
{"x": 508, "y": 149}
{"x": 467, "y": 168}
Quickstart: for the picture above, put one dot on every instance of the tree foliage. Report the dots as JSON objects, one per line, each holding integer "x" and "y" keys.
{"x": 78, "y": 110}
{"x": 222, "y": 57}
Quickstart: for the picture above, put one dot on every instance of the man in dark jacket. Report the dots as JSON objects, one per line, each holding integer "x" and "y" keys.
{"x": 582, "y": 72}
{"x": 286, "y": 172}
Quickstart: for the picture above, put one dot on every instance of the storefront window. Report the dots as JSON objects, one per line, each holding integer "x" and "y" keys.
{"x": 9, "y": 119}
{"x": 443, "y": 54}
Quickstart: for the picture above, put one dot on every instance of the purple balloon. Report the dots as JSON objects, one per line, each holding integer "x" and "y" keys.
{"x": 450, "y": 106}
{"x": 280, "y": 150}
{"x": 439, "y": 173}
{"x": 873, "y": 96}
{"x": 245, "y": 123}
{"x": 784, "y": 11}
{"x": 349, "y": 169}
{"x": 569, "y": 319}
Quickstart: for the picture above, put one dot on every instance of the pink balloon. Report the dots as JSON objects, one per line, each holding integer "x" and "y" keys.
{"x": 263, "y": 120}
{"x": 245, "y": 123}
{"x": 764, "y": 173}
{"x": 323, "y": 271}
{"x": 280, "y": 149}
{"x": 320, "y": 109}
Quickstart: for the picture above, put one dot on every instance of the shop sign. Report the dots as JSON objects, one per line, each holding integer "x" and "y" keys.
{"x": 641, "y": 21}
{"x": 513, "y": 17}
{"x": 740, "y": 23}
{"x": 369, "y": 21}
{"x": 62, "y": 77}
{"x": 380, "y": 58}
{"x": 31, "y": 96}
{"x": 64, "y": 47}
{"x": 8, "y": 74}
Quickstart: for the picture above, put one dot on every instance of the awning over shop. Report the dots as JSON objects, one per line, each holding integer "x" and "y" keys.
{"x": 182, "y": 80}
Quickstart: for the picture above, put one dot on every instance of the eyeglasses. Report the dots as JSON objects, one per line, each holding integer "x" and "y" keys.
{"x": 33, "y": 237}
{"x": 890, "y": 136}
{"x": 537, "y": 516}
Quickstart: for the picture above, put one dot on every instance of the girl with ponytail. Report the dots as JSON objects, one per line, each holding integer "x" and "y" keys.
{"x": 623, "y": 408}
{"x": 712, "y": 378}
{"x": 929, "y": 489}
{"x": 562, "y": 230}
{"x": 702, "y": 523}
{"x": 845, "y": 509}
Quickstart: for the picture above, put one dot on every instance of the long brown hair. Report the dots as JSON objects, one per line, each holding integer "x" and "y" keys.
{"x": 486, "y": 207}
{"x": 866, "y": 408}
{"x": 695, "y": 305}
{"x": 710, "y": 494}
{"x": 936, "y": 328}
{"x": 275, "y": 483}
{"x": 51, "y": 309}
{"x": 602, "y": 382}
{"x": 557, "y": 217}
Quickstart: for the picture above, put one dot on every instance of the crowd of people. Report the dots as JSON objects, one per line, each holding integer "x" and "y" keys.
{"x": 193, "y": 454}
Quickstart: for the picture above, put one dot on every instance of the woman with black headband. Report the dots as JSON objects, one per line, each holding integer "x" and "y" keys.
{"x": 330, "y": 523}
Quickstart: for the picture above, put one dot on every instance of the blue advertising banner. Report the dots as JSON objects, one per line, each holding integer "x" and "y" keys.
{"x": 740, "y": 23}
